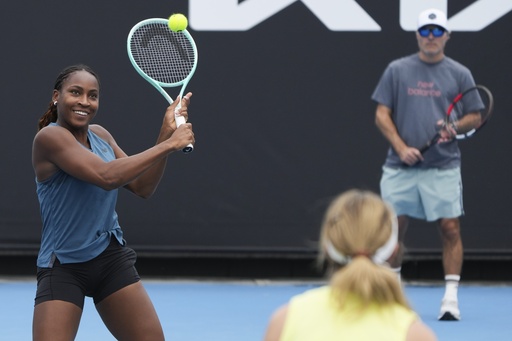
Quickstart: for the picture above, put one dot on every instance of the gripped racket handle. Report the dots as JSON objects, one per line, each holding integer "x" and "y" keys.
{"x": 179, "y": 121}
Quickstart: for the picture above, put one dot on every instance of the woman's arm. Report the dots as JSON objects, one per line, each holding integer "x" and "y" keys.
{"x": 276, "y": 324}
{"x": 418, "y": 331}
{"x": 54, "y": 148}
{"x": 146, "y": 184}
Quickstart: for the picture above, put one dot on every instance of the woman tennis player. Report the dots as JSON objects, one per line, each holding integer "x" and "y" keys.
{"x": 79, "y": 168}
{"x": 364, "y": 300}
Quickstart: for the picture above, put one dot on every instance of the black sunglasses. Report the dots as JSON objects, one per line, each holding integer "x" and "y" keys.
{"x": 436, "y": 31}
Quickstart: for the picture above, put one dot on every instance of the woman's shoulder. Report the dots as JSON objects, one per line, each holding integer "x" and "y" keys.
{"x": 100, "y": 131}
{"x": 52, "y": 132}
{"x": 315, "y": 294}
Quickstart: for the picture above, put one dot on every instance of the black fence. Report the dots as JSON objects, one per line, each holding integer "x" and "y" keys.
{"x": 281, "y": 113}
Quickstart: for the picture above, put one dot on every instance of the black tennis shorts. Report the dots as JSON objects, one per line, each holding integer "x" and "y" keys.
{"x": 112, "y": 270}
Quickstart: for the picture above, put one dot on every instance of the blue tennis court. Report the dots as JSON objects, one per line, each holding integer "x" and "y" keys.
{"x": 229, "y": 311}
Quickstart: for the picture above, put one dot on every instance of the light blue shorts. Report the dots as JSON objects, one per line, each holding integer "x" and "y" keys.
{"x": 428, "y": 194}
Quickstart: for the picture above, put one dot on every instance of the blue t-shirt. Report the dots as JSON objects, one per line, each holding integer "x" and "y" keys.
{"x": 79, "y": 218}
{"x": 419, "y": 94}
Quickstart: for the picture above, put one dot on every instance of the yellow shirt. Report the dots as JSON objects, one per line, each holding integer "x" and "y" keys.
{"x": 314, "y": 316}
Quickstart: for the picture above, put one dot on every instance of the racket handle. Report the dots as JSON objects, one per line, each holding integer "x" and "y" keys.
{"x": 179, "y": 121}
{"x": 189, "y": 148}
{"x": 430, "y": 143}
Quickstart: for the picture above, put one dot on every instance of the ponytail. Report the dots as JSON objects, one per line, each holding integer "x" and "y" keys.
{"x": 48, "y": 117}
{"x": 369, "y": 282}
{"x": 359, "y": 233}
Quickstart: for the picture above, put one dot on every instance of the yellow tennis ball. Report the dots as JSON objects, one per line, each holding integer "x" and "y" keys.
{"x": 178, "y": 22}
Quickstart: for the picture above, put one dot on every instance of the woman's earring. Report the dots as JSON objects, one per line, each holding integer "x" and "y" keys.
{"x": 55, "y": 103}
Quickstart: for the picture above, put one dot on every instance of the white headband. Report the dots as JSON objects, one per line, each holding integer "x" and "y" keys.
{"x": 381, "y": 255}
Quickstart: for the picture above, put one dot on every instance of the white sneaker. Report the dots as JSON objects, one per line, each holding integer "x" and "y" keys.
{"x": 449, "y": 311}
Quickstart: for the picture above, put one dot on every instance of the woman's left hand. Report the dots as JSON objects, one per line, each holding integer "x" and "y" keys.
{"x": 169, "y": 123}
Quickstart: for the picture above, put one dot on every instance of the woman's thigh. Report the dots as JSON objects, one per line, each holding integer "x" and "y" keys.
{"x": 56, "y": 321}
{"x": 129, "y": 314}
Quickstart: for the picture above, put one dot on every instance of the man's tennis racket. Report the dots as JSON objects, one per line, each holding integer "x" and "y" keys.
{"x": 475, "y": 99}
{"x": 164, "y": 58}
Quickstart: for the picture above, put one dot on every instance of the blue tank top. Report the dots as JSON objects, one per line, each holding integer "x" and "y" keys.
{"x": 78, "y": 218}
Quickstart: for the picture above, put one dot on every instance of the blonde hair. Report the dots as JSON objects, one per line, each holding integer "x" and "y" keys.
{"x": 357, "y": 224}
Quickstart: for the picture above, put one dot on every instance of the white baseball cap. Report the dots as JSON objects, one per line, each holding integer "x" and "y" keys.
{"x": 433, "y": 16}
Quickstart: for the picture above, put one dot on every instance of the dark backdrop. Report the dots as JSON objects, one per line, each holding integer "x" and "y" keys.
{"x": 281, "y": 113}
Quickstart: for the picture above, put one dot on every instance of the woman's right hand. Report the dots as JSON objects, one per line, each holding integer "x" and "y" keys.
{"x": 182, "y": 136}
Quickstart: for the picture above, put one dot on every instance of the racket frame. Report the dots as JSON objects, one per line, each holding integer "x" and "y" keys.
{"x": 470, "y": 133}
{"x": 161, "y": 85}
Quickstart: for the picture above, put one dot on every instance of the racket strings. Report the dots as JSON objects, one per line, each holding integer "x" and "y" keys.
{"x": 166, "y": 56}
{"x": 486, "y": 108}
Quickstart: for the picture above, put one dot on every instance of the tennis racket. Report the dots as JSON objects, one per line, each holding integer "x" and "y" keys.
{"x": 475, "y": 99}
{"x": 164, "y": 58}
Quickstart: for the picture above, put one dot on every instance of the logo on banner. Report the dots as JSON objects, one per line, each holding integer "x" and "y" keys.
{"x": 336, "y": 15}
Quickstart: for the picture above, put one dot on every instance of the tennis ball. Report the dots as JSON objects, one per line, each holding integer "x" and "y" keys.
{"x": 178, "y": 22}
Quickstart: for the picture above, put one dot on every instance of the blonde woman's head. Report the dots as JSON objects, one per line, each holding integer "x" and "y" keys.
{"x": 359, "y": 233}
{"x": 359, "y": 223}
